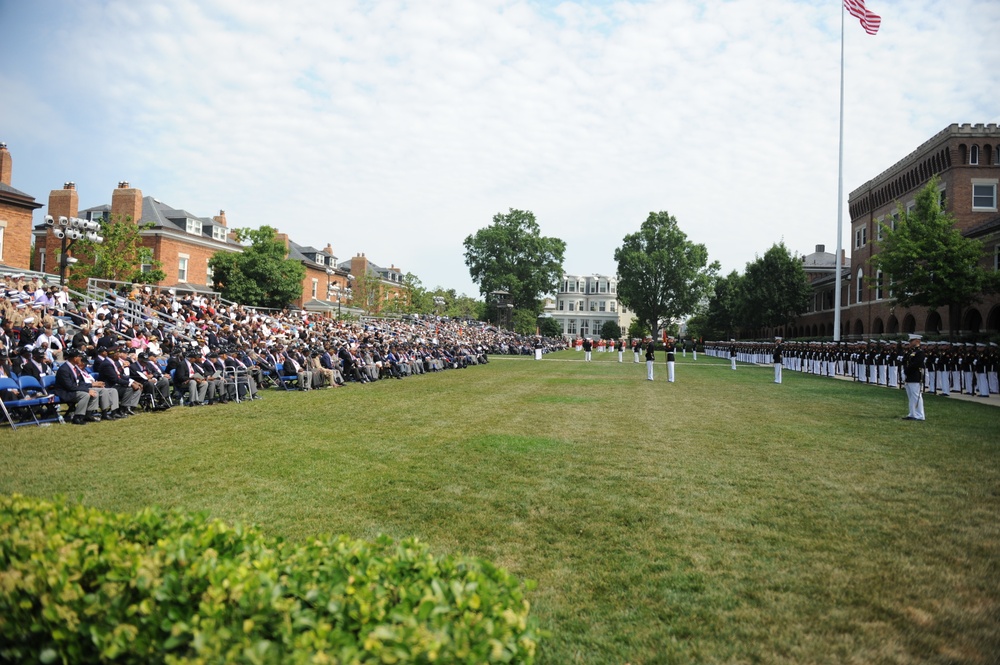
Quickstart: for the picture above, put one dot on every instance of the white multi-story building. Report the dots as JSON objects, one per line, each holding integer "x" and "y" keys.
{"x": 584, "y": 303}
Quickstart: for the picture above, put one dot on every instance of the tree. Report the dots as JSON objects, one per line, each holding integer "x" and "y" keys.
{"x": 549, "y": 327}
{"x": 637, "y": 329}
{"x": 511, "y": 255}
{"x": 775, "y": 289}
{"x": 119, "y": 257}
{"x": 724, "y": 308}
{"x": 662, "y": 276}
{"x": 611, "y": 330}
{"x": 261, "y": 275}
{"x": 928, "y": 261}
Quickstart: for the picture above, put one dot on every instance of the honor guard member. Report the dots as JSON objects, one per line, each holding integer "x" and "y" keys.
{"x": 732, "y": 353}
{"x": 650, "y": 357}
{"x": 979, "y": 364}
{"x": 777, "y": 359}
{"x": 635, "y": 350}
{"x": 913, "y": 368}
{"x": 671, "y": 349}
{"x": 588, "y": 346}
{"x": 621, "y": 349}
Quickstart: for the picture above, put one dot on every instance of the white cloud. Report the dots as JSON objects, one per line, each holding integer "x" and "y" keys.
{"x": 398, "y": 128}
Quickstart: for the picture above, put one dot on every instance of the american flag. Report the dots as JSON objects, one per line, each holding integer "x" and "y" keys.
{"x": 869, "y": 20}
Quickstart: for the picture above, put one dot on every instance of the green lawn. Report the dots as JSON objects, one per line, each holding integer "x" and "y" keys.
{"x": 720, "y": 519}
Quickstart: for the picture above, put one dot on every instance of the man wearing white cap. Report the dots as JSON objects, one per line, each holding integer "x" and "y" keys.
{"x": 913, "y": 367}
{"x": 777, "y": 359}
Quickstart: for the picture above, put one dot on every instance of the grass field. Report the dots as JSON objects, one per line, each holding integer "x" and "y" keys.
{"x": 720, "y": 519}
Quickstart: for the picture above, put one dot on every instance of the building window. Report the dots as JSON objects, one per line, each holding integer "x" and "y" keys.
{"x": 604, "y": 287}
{"x": 878, "y": 228}
{"x": 878, "y": 285}
{"x": 596, "y": 327}
{"x": 571, "y": 327}
{"x": 861, "y": 285}
{"x": 860, "y": 237}
{"x": 603, "y": 305}
{"x": 584, "y": 327}
{"x": 2, "y": 229}
{"x": 209, "y": 275}
{"x": 571, "y": 305}
{"x": 182, "y": 268}
{"x": 146, "y": 267}
{"x": 984, "y": 195}
{"x": 561, "y": 306}
{"x": 974, "y": 156}
{"x": 219, "y": 233}
{"x": 194, "y": 227}
{"x": 943, "y": 198}
{"x": 572, "y": 287}
{"x": 611, "y": 287}
{"x": 593, "y": 305}
{"x": 315, "y": 288}
{"x": 996, "y": 156}
{"x": 613, "y": 305}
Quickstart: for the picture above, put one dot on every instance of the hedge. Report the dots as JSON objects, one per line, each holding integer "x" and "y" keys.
{"x": 81, "y": 585}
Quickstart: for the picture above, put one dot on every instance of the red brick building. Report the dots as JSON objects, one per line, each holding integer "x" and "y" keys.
{"x": 16, "y": 210}
{"x": 966, "y": 160}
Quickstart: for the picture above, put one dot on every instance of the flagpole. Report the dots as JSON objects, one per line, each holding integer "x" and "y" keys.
{"x": 840, "y": 192}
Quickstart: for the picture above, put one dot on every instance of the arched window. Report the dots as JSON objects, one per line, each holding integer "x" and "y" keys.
{"x": 861, "y": 285}
{"x": 974, "y": 156}
{"x": 878, "y": 285}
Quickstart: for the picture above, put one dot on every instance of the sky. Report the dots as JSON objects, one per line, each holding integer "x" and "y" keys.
{"x": 398, "y": 129}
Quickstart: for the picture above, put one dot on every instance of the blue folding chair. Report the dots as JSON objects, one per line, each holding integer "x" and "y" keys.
{"x": 21, "y": 406}
{"x": 34, "y": 391}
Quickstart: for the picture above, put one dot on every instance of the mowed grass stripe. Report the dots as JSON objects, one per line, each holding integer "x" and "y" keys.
{"x": 722, "y": 518}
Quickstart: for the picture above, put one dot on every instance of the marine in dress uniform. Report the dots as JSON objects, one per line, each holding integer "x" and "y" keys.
{"x": 913, "y": 368}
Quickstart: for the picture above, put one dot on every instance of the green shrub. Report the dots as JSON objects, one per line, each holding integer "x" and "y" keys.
{"x": 79, "y": 585}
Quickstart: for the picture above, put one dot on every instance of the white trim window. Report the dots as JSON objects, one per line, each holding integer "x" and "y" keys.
{"x": 878, "y": 285}
{"x": 878, "y": 227}
{"x": 219, "y": 233}
{"x": 3, "y": 228}
{"x": 315, "y": 288}
{"x": 182, "y": 267}
{"x": 942, "y": 197}
{"x": 984, "y": 195}
{"x": 974, "y": 156}
{"x": 194, "y": 227}
{"x": 860, "y": 237}
{"x": 860, "y": 291}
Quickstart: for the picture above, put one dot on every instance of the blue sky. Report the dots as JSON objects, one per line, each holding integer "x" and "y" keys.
{"x": 399, "y": 128}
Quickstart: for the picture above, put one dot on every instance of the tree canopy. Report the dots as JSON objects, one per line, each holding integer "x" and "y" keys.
{"x": 774, "y": 289}
{"x": 119, "y": 257}
{"x": 928, "y": 261}
{"x": 511, "y": 255}
{"x": 722, "y": 319}
{"x": 261, "y": 275}
{"x": 662, "y": 275}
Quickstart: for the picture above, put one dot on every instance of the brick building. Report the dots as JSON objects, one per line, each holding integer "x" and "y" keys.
{"x": 966, "y": 160}
{"x": 16, "y": 211}
{"x": 182, "y": 242}
{"x": 374, "y": 288}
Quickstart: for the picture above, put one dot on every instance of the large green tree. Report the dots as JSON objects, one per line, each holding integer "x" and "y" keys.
{"x": 261, "y": 275}
{"x": 722, "y": 318}
{"x": 928, "y": 262}
{"x": 774, "y": 289}
{"x": 119, "y": 257}
{"x": 662, "y": 276}
{"x": 511, "y": 255}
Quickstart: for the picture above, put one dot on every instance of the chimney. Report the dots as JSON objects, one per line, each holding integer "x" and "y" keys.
{"x": 126, "y": 201}
{"x": 6, "y": 164}
{"x": 329, "y": 249}
{"x": 843, "y": 257}
{"x": 820, "y": 249}
{"x": 64, "y": 202}
{"x": 283, "y": 239}
{"x": 220, "y": 218}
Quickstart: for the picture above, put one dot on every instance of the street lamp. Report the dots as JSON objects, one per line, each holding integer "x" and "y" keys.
{"x": 439, "y": 304}
{"x": 69, "y": 230}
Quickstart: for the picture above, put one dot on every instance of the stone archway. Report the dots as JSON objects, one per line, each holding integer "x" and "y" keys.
{"x": 909, "y": 324}
{"x": 972, "y": 321}
{"x": 993, "y": 320}
{"x": 933, "y": 324}
{"x": 859, "y": 328}
{"x": 877, "y": 327}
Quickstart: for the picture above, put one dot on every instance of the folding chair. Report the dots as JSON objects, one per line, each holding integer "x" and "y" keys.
{"x": 21, "y": 407}
{"x": 34, "y": 391}
{"x": 283, "y": 379}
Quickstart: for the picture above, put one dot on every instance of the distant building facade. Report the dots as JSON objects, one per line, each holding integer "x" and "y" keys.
{"x": 16, "y": 212}
{"x": 584, "y": 303}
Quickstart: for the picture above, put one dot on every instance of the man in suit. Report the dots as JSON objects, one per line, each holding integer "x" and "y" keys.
{"x": 71, "y": 388}
{"x": 112, "y": 372}
{"x": 650, "y": 357}
{"x": 154, "y": 381}
{"x": 189, "y": 380}
{"x": 244, "y": 380}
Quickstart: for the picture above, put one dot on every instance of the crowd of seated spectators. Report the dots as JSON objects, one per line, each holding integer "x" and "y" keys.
{"x": 151, "y": 349}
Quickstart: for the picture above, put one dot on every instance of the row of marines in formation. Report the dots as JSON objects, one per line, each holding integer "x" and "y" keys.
{"x": 949, "y": 367}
